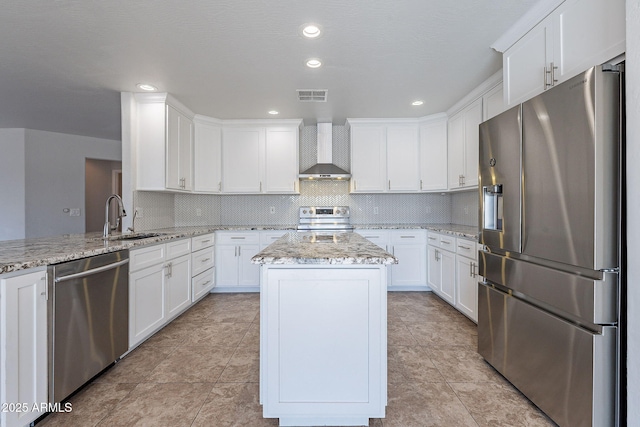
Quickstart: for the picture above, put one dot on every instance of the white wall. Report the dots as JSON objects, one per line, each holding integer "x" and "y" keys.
{"x": 54, "y": 179}
{"x": 633, "y": 211}
{"x": 12, "y": 182}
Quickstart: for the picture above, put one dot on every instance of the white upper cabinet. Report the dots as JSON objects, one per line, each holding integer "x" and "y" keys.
{"x": 260, "y": 159}
{"x": 433, "y": 153}
{"x": 403, "y": 167}
{"x": 179, "y": 150}
{"x": 164, "y": 144}
{"x": 493, "y": 102}
{"x": 463, "y": 140}
{"x": 241, "y": 160}
{"x": 384, "y": 156}
{"x": 368, "y": 158}
{"x": 281, "y": 160}
{"x": 207, "y": 156}
{"x": 575, "y": 36}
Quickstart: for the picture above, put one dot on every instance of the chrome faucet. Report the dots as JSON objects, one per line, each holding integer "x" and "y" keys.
{"x": 121, "y": 212}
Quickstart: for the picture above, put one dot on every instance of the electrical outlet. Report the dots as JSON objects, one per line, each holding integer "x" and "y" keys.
{"x": 272, "y": 209}
{"x": 74, "y": 212}
{"x": 375, "y": 210}
{"x": 198, "y": 212}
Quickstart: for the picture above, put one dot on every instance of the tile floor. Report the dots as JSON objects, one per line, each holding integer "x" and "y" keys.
{"x": 202, "y": 370}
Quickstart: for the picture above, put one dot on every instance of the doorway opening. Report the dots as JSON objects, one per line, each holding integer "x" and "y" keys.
{"x": 102, "y": 179}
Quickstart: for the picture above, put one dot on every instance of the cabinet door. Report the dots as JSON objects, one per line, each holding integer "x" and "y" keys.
{"x": 455, "y": 139}
{"x": 524, "y": 63}
{"x": 433, "y": 155}
{"x": 227, "y": 265}
{"x": 467, "y": 287}
{"x": 23, "y": 346}
{"x": 434, "y": 276}
{"x": 411, "y": 269}
{"x": 448, "y": 276}
{"x": 281, "y": 160}
{"x": 472, "y": 120}
{"x": 587, "y": 32}
{"x": 403, "y": 171}
{"x": 493, "y": 102}
{"x": 179, "y": 146}
{"x": 146, "y": 303}
{"x": 242, "y": 160}
{"x": 249, "y": 274}
{"x": 207, "y": 173}
{"x": 178, "y": 285}
{"x": 368, "y": 159}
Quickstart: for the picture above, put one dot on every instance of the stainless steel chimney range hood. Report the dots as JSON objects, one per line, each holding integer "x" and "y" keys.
{"x": 325, "y": 169}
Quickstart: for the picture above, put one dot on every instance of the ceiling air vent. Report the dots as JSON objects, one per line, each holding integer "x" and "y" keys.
{"x": 312, "y": 95}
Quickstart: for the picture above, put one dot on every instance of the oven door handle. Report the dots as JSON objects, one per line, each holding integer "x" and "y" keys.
{"x": 92, "y": 271}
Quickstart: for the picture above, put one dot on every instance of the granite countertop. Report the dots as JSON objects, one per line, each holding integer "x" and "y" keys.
{"x": 466, "y": 231}
{"x": 28, "y": 253}
{"x": 315, "y": 248}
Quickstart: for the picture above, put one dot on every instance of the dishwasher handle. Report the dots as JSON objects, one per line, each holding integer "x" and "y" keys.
{"x": 92, "y": 271}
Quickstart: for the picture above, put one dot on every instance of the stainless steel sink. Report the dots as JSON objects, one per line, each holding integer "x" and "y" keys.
{"x": 135, "y": 236}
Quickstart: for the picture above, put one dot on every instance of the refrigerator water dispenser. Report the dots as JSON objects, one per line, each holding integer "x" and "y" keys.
{"x": 493, "y": 207}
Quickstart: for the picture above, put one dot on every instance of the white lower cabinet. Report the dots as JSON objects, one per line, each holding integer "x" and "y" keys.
{"x": 23, "y": 347}
{"x": 159, "y": 287}
{"x": 234, "y": 251}
{"x": 410, "y": 247}
{"x": 442, "y": 267}
{"x": 453, "y": 272}
{"x": 467, "y": 287}
{"x": 178, "y": 285}
{"x": 202, "y": 266}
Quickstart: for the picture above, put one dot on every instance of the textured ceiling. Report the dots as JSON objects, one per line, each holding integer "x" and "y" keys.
{"x": 63, "y": 63}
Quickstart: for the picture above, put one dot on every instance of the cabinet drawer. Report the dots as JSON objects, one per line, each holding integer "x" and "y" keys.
{"x": 238, "y": 238}
{"x": 399, "y": 237}
{"x": 379, "y": 237}
{"x": 178, "y": 248}
{"x": 201, "y": 260}
{"x": 146, "y": 257}
{"x": 268, "y": 237}
{"x": 466, "y": 248}
{"x": 202, "y": 284}
{"x": 443, "y": 241}
{"x": 201, "y": 242}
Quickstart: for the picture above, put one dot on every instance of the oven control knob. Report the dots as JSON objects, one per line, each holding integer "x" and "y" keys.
{"x": 304, "y": 211}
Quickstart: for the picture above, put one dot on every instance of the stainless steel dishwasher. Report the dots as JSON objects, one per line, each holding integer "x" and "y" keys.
{"x": 88, "y": 318}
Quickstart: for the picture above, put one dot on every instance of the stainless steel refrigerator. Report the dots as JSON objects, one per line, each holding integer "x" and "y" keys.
{"x": 550, "y": 221}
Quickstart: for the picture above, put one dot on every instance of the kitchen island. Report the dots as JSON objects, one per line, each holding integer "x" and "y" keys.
{"x": 323, "y": 329}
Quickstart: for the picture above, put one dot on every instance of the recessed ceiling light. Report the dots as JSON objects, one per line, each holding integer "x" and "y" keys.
{"x": 146, "y": 86}
{"x": 313, "y": 63}
{"x": 311, "y": 31}
{"x": 417, "y": 103}
{"x": 273, "y": 112}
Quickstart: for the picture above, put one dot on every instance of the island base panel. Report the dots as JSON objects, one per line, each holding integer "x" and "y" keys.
{"x": 323, "y": 344}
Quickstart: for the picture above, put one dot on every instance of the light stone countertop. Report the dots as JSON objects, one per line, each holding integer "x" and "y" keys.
{"x": 22, "y": 254}
{"x": 316, "y": 248}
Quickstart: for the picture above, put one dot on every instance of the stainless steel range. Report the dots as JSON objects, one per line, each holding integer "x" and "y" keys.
{"x": 325, "y": 219}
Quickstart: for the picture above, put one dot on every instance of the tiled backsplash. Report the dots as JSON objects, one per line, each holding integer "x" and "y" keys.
{"x": 160, "y": 210}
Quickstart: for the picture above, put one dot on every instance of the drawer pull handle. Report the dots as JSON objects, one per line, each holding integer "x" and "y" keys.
{"x": 205, "y": 260}
{"x": 445, "y": 242}
{"x": 407, "y": 237}
{"x": 204, "y": 242}
{"x": 206, "y": 283}
{"x": 464, "y": 247}
{"x": 238, "y": 238}
{"x": 432, "y": 238}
